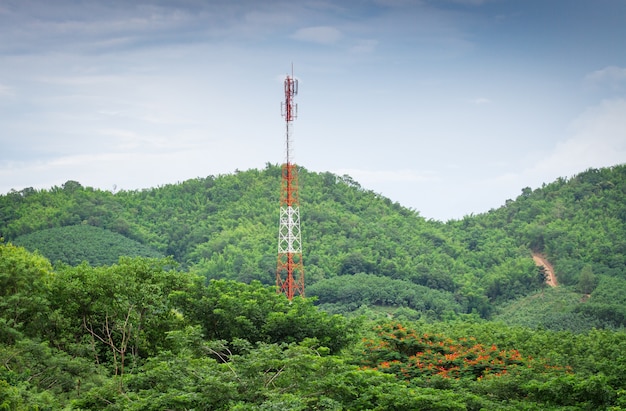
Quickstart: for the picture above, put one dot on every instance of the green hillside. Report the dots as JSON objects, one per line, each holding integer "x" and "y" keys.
{"x": 224, "y": 227}
{"x": 141, "y": 335}
{"x": 77, "y": 243}
{"x": 407, "y": 313}
{"x": 576, "y": 222}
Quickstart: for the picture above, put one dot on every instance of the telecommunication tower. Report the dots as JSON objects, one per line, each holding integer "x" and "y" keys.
{"x": 290, "y": 269}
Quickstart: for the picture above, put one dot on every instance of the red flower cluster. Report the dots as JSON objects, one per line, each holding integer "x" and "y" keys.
{"x": 411, "y": 355}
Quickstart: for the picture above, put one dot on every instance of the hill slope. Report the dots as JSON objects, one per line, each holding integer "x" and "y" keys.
{"x": 225, "y": 227}
{"x": 575, "y": 222}
{"x": 77, "y": 243}
{"x": 140, "y": 334}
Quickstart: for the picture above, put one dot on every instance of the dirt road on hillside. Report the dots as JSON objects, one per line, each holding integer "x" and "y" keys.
{"x": 541, "y": 261}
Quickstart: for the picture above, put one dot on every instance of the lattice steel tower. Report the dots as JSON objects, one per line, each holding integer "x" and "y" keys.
{"x": 290, "y": 269}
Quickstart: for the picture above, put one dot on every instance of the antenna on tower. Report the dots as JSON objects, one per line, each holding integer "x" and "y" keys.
{"x": 289, "y": 268}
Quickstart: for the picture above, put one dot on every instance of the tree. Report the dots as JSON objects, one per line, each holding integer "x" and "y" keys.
{"x": 229, "y": 310}
{"x": 587, "y": 281}
{"x": 24, "y": 278}
{"x": 124, "y": 309}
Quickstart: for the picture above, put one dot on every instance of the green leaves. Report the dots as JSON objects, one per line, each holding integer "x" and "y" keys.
{"x": 24, "y": 279}
{"x": 141, "y": 335}
{"x": 123, "y": 309}
{"x": 353, "y": 291}
{"x": 229, "y": 310}
{"x": 84, "y": 243}
{"x": 527, "y": 369}
{"x": 224, "y": 227}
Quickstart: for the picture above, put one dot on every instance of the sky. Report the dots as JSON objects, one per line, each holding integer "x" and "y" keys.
{"x": 448, "y": 107}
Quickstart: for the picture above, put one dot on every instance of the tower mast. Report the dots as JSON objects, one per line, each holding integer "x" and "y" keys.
{"x": 289, "y": 269}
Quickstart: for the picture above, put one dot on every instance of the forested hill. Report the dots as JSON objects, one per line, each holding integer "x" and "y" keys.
{"x": 150, "y": 333}
{"x": 359, "y": 247}
{"x": 575, "y": 222}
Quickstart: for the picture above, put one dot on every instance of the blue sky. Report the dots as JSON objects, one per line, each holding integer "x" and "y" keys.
{"x": 449, "y": 107}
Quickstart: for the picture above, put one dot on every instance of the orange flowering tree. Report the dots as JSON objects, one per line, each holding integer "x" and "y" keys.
{"x": 409, "y": 354}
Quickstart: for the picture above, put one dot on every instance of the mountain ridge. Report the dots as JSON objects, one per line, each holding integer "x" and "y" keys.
{"x": 225, "y": 227}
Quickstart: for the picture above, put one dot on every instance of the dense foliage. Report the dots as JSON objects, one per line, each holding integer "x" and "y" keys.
{"x": 204, "y": 328}
{"x": 347, "y": 293}
{"x": 517, "y": 367}
{"x": 77, "y": 243}
{"x": 144, "y": 335}
{"x": 225, "y": 227}
{"x": 580, "y": 225}
{"x": 70, "y": 332}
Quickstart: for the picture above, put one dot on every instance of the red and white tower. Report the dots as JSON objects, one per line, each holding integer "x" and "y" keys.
{"x": 290, "y": 269}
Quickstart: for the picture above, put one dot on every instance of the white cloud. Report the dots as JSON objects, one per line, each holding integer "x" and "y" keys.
{"x": 319, "y": 34}
{"x": 87, "y": 80}
{"x": 598, "y": 139}
{"x": 109, "y": 20}
{"x": 128, "y": 170}
{"x": 612, "y": 76}
{"x": 378, "y": 176}
{"x": 268, "y": 18}
{"x": 480, "y": 100}
{"x": 94, "y": 27}
{"x": 6, "y": 90}
{"x": 364, "y": 46}
{"x": 470, "y": 2}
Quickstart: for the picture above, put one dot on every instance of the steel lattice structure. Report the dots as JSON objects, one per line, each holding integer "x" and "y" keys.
{"x": 289, "y": 269}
